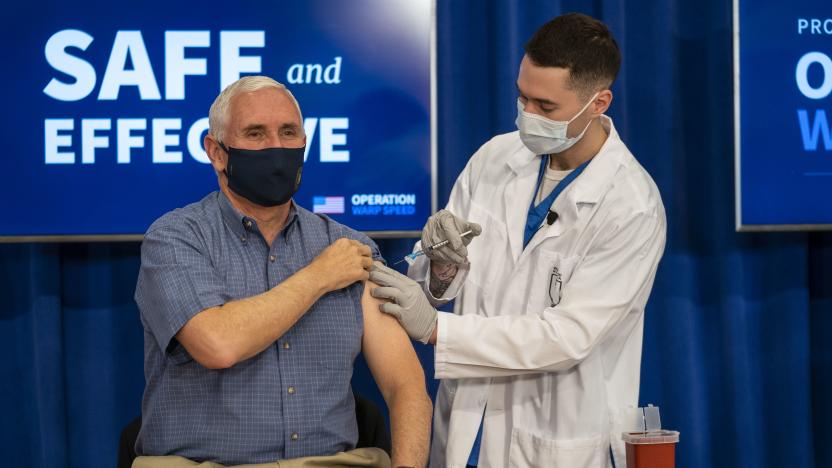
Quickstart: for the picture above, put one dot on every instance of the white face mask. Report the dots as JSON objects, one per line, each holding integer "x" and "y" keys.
{"x": 545, "y": 136}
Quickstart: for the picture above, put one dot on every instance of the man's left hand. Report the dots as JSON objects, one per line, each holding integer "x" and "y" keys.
{"x": 409, "y": 304}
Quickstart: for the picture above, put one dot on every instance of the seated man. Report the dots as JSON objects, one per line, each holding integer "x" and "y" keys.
{"x": 254, "y": 310}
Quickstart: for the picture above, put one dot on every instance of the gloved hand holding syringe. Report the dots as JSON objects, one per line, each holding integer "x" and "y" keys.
{"x": 444, "y": 239}
{"x": 411, "y": 258}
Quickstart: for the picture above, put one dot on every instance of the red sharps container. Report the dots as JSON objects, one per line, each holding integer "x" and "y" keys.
{"x": 649, "y": 446}
{"x": 651, "y": 449}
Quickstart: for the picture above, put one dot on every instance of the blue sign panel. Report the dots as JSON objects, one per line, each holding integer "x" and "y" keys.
{"x": 107, "y": 106}
{"x": 783, "y": 65}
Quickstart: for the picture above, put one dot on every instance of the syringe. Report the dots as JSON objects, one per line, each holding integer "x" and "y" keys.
{"x": 411, "y": 258}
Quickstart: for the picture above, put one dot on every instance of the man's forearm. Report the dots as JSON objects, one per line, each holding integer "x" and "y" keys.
{"x": 410, "y": 418}
{"x": 243, "y": 328}
{"x": 441, "y": 277}
{"x": 263, "y": 319}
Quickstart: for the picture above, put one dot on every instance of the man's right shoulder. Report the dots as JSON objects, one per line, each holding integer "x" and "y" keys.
{"x": 501, "y": 145}
{"x": 497, "y": 150}
{"x": 186, "y": 219}
{"x": 491, "y": 160}
{"x": 503, "y": 140}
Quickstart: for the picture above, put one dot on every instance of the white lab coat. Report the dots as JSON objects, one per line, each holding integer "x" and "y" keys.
{"x": 552, "y": 381}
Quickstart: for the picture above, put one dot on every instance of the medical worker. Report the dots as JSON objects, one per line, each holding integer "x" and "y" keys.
{"x": 541, "y": 356}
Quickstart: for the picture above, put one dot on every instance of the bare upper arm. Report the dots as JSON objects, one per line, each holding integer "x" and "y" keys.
{"x": 387, "y": 348}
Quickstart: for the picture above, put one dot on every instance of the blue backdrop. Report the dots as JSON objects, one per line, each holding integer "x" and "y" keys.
{"x": 738, "y": 338}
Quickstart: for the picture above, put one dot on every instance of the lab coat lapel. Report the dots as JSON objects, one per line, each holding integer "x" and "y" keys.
{"x": 567, "y": 212}
{"x": 518, "y": 196}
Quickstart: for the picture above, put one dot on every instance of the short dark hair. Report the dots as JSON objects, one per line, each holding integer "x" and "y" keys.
{"x": 581, "y": 44}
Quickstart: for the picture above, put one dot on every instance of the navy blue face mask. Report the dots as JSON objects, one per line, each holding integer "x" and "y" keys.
{"x": 266, "y": 177}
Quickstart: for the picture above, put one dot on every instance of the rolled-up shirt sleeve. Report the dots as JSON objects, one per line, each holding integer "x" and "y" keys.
{"x": 176, "y": 282}
{"x": 360, "y": 237}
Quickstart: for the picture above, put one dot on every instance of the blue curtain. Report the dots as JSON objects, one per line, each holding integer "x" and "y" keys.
{"x": 738, "y": 332}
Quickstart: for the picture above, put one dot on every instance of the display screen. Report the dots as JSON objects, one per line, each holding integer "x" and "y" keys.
{"x": 107, "y": 107}
{"x": 783, "y": 73}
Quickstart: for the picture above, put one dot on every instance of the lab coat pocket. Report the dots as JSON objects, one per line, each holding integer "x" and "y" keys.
{"x": 552, "y": 274}
{"x": 529, "y": 450}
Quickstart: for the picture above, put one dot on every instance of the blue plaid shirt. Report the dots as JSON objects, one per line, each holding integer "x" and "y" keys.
{"x": 291, "y": 400}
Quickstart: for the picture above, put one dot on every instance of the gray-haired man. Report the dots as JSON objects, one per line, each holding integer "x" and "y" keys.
{"x": 254, "y": 310}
